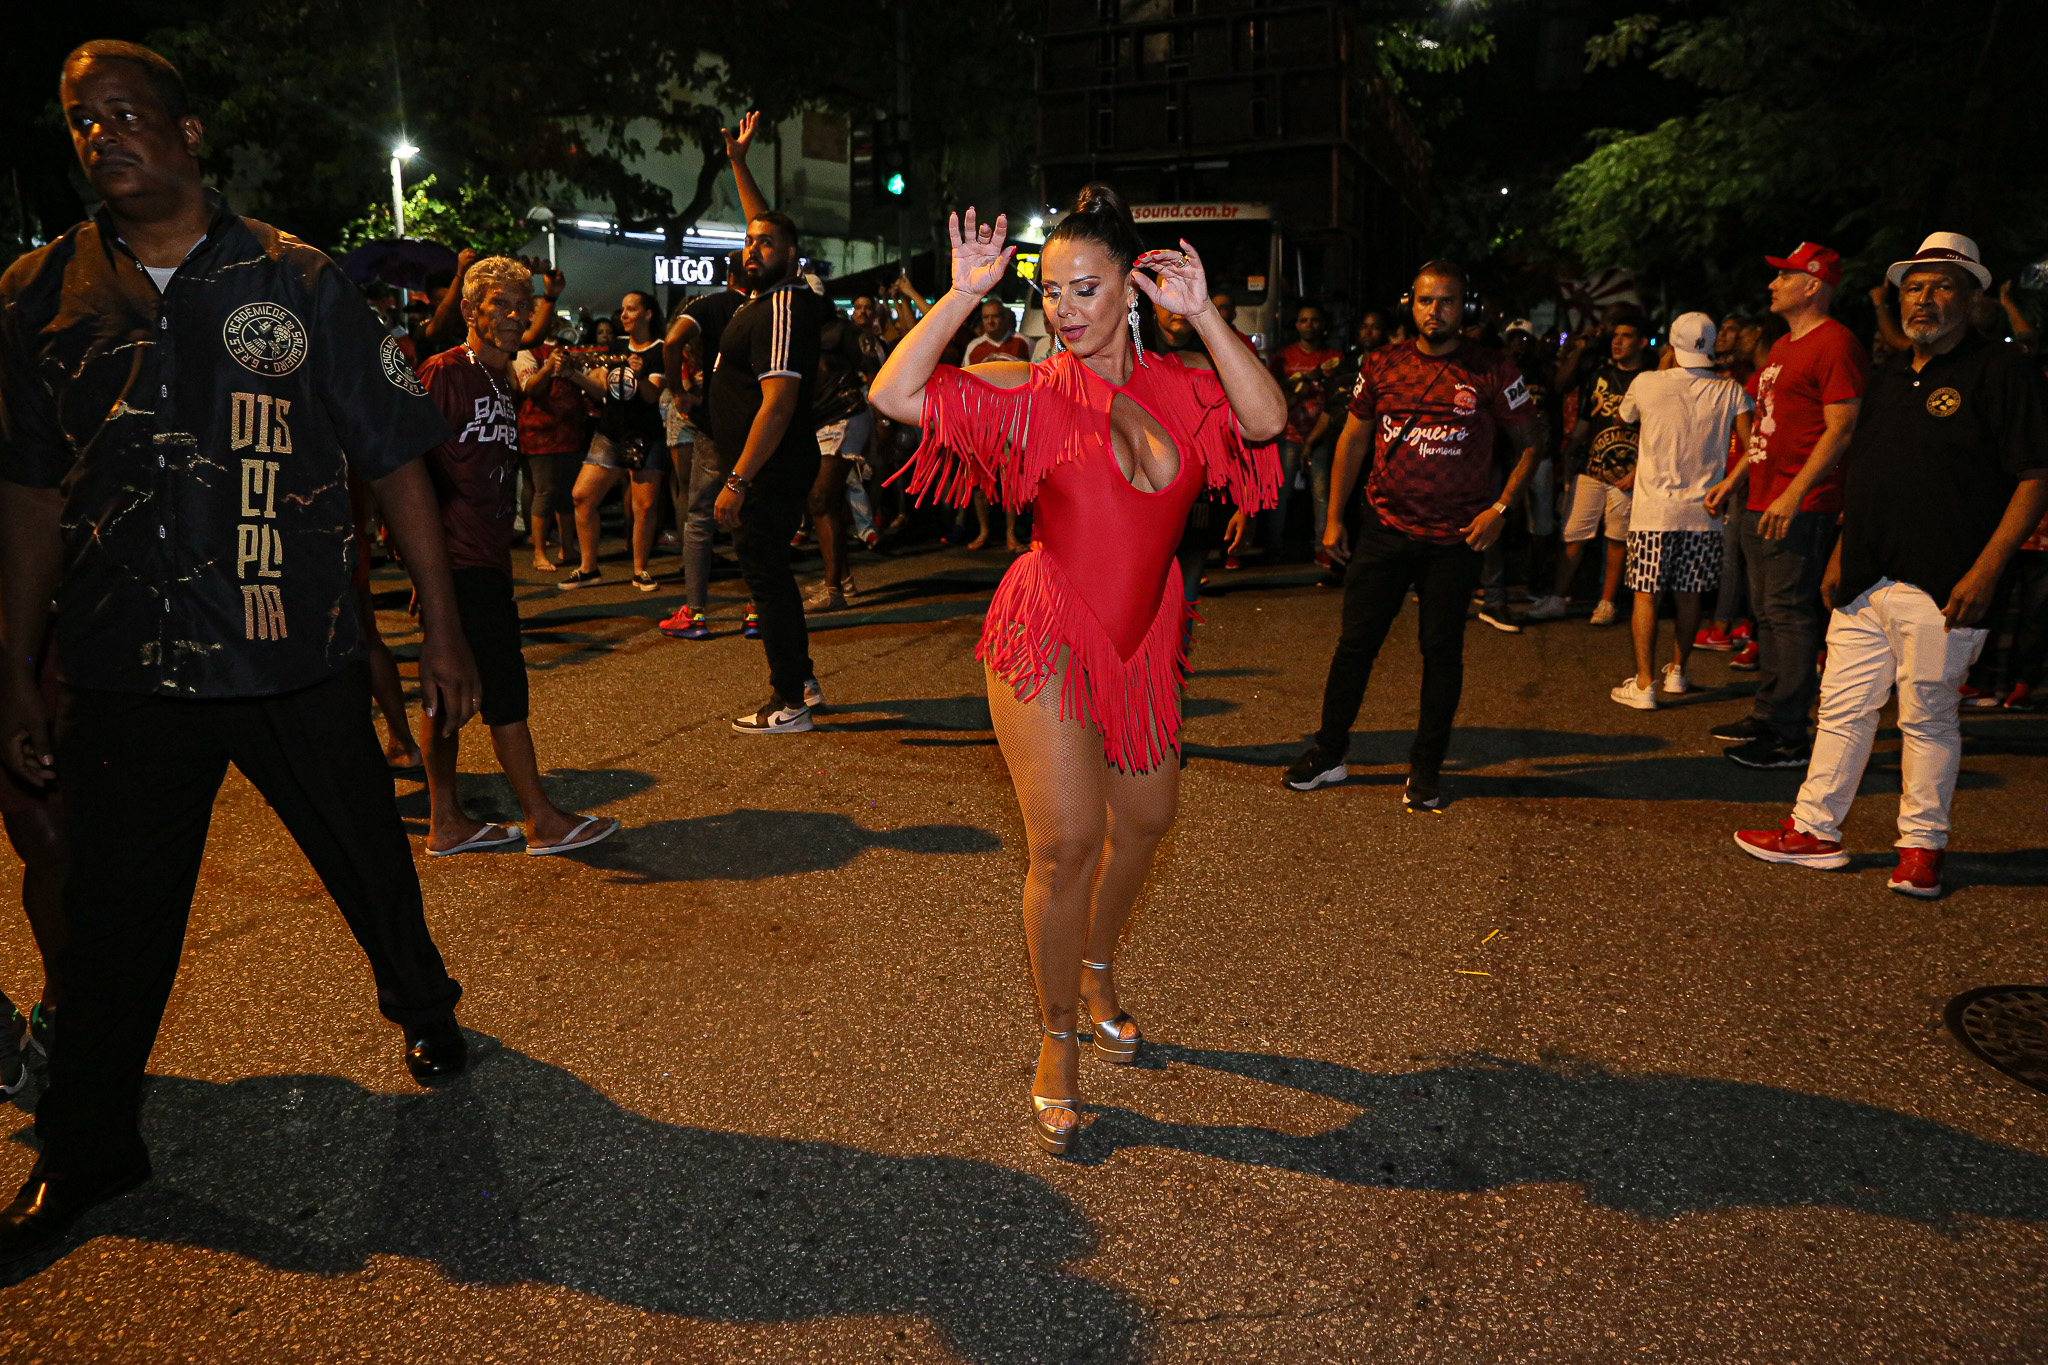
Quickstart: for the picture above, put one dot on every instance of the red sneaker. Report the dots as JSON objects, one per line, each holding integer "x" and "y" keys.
{"x": 1742, "y": 634}
{"x": 1745, "y": 658}
{"x": 1231, "y": 562}
{"x": 1789, "y": 844}
{"x": 685, "y": 625}
{"x": 1977, "y": 696}
{"x": 1918, "y": 873}
{"x": 1322, "y": 558}
{"x": 1714, "y": 638}
{"x": 2021, "y": 698}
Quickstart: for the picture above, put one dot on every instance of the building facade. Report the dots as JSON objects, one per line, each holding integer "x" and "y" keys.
{"x": 1241, "y": 101}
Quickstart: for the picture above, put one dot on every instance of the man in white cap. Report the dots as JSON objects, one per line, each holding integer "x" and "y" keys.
{"x": 1687, "y": 413}
{"x": 1949, "y": 475}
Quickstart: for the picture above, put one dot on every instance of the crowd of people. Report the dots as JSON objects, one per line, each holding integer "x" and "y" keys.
{"x": 169, "y": 508}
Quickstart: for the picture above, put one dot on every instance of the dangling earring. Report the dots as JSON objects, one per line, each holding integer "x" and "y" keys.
{"x": 1137, "y": 342}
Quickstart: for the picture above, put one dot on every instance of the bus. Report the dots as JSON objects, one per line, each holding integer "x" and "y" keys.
{"x": 1240, "y": 250}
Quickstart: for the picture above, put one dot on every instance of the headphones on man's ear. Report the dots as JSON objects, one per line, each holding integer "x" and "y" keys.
{"x": 1473, "y": 302}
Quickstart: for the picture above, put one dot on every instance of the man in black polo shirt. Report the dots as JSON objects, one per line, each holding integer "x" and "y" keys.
{"x": 760, "y": 414}
{"x": 182, "y": 395}
{"x": 1948, "y": 474}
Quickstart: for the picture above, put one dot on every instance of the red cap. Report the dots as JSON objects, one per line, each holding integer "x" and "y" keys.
{"x": 1823, "y": 263}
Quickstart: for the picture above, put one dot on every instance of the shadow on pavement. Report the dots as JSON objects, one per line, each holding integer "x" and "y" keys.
{"x": 1581, "y": 767}
{"x": 488, "y": 796}
{"x": 753, "y": 845}
{"x": 1655, "y": 1145}
{"x": 1473, "y": 746}
{"x": 521, "y": 1173}
{"x": 968, "y": 713}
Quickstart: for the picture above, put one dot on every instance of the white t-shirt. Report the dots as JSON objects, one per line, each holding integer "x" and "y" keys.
{"x": 1687, "y": 417}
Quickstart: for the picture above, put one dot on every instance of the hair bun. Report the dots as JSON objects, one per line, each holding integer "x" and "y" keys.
{"x": 1096, "y": 197}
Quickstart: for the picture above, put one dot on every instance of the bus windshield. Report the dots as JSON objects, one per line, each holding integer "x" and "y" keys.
{"x": 1235, "y": 255}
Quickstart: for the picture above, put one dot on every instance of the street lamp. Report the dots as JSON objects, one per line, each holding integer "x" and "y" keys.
{"x": 400, "y": 154}
{"x": 545, "y": 216}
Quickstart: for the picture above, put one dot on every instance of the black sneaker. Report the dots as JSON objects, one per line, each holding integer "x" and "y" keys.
{"x": 579, "y": 578}
{"x": 13, "y": 1066}
{"x": 1768, "y": 751}
{"x": 1422, "y": 795}
{"x": 1749, "y": 727}
{"x": 1315, "y": 768}
{"x": 42, "y": 1030}
{"x": 778, "y": 717}
{"x": 646, "y": 581}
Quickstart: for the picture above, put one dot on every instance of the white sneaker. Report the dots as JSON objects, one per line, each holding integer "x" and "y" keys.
{"x": 778, "y": 717}
{"x": 1550, "y": 608}
{"x": 1500, "y": 621}
{"x": 825, "y": 597}
{"x": 1603, "y": 615}
{"x": 1633, "y": 693}
{"x": 1676, "y": 684}
{"x": 814, "y": 695}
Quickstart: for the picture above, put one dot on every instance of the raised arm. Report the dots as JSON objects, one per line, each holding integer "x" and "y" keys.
{"x": 752, "y": 202}
{"x": 979, "y": 260}
{"x": 1183, "y": 287}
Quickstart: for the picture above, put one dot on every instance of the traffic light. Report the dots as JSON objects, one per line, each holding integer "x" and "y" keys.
{"x": 866, "y": 184}
{"x": 892, "y": 171}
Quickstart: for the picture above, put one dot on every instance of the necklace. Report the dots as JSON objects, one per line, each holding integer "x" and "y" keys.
{"x": 489, "y": 378}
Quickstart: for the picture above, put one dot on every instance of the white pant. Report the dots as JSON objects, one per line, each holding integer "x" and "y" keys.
{"x": 1891, "y": 634}
{"x": 1592, "y": 503}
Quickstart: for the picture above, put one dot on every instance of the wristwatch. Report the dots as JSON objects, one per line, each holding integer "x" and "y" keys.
{"x": 734, "y": 483}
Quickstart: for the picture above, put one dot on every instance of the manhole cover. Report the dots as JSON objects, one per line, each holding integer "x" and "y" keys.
{"x": 2007, "y": 1027}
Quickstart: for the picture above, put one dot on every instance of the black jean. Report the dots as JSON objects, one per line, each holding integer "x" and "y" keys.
{"x": 1784, "y": 600}
{"x": 143, "y": 771}
{"x": 1384, "y": 565}
{"x": 761, "y": 544}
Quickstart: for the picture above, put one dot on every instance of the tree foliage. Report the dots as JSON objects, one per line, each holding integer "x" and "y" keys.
{"x": 1860, "y": 123}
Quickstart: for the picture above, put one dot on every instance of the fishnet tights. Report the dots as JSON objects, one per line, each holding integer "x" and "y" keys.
{"x": 1091, "y": 830}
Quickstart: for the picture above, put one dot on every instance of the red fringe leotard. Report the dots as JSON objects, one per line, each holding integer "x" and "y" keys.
{"x": 1100, "y": 582}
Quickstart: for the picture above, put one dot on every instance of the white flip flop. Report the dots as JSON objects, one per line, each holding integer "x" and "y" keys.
{"x": 577, "y": 838}
{"x": 477, "y": 842}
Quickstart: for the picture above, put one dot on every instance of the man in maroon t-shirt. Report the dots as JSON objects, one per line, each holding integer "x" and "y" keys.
{"x": 473, "y": 475}
{"x": 1427, "y": 412}
{"x": 1807, "y": 397}
{"x": 1304, "y": 371}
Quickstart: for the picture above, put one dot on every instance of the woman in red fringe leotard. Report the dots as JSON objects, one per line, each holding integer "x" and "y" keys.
{"x": 1085, "y": 641}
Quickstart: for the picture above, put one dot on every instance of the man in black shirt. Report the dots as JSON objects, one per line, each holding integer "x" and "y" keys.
{"x": 182, "y": 395}
{"x": 1948, "y": 475}
{"x": 760, "y": 404}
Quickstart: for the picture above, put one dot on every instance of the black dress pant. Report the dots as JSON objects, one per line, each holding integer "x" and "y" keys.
{"x": 761, "y": 544}
{"x": 1384, "y": 565}
{"x": 140, "y": 773}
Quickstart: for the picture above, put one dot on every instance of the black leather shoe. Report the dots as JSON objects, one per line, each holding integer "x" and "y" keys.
{"x": 49, "y": 1204}
{"x": 436, "y": 1054}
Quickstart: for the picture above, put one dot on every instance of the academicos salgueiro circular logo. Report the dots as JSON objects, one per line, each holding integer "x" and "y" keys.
{"x": 397, "y": 370}
{"x": 265, "y": 339}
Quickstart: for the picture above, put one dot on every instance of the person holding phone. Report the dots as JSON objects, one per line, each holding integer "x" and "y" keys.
{"x": 630, "y": 443}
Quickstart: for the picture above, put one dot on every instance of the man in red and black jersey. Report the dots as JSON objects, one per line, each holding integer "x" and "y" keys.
{"x": 1424, "y": 415}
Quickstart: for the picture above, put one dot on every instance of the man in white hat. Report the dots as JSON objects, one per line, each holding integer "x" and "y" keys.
{"x": 1950, "y": 475}
{"x": 1687, "y": 413}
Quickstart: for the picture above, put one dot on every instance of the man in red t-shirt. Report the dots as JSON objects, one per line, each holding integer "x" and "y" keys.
{"x": 1304, "y": 371}
{"x": 473, "y": 473}
{"x": 1424, "y": 415}
{"x": 1807, "y": 396}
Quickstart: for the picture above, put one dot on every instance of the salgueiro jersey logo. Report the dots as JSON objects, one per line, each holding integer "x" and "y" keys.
{"x": 397, "y": 370}
{"x": 265, "y": 338}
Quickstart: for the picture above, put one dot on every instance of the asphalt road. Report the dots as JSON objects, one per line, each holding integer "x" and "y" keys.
{"x": 1557, "y": 1075}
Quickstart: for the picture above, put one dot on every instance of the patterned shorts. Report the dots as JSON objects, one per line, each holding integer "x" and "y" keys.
{"x": 1674, "y": 561}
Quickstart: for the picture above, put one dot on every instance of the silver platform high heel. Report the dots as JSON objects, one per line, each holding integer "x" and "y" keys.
{"x": 1116, "y": 1040}
{"x": 1055, "y": 1141}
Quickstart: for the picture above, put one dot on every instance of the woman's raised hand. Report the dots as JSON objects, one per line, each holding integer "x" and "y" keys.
{"x": 979, "y": 257}
{"x": 1183, "y": 285}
